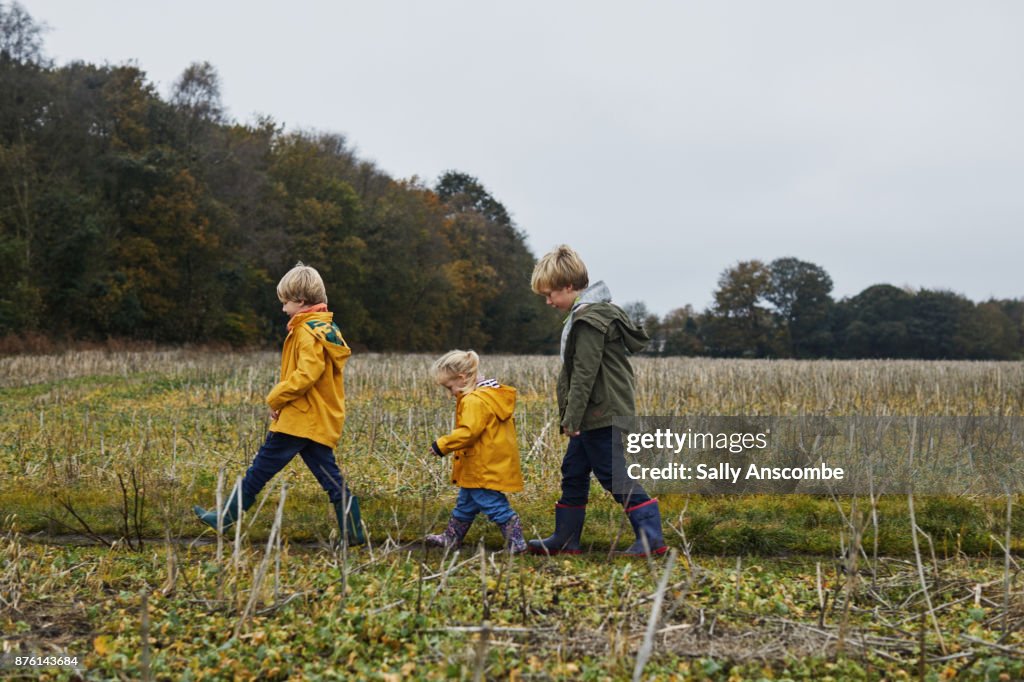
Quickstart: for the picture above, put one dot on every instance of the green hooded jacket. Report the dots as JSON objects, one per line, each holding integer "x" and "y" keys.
{"x": 596, "y": 382}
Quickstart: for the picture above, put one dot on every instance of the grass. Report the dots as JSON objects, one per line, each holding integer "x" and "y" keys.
{"x": 389, "y": 616}
{"x": 743, "y": 600}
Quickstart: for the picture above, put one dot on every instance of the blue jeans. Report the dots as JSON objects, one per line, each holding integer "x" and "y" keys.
{"x": 591, "y": 451}
{"x": 472, "y": 501}
{"x": 279, "y": 449}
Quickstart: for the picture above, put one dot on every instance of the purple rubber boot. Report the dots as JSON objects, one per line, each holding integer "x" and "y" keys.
{"x": 452, "y": 536}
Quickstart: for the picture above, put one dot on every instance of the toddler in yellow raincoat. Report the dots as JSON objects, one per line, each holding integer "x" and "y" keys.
{"x": 485, "y": 453}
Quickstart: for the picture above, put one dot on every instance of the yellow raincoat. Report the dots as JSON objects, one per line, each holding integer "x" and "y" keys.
{"x": 486, "y": 453}
{"x": 310, "y": 397}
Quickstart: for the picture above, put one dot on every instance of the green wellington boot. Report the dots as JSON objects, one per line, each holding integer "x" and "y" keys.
{"x": 230, "y": 510}
{"x": 354, "y": 519}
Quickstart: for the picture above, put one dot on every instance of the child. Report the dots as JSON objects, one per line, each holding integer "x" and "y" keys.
{"x": 594, "y": 386}
{"x": 307, "y": 406}
{"x": 485, "y": 464}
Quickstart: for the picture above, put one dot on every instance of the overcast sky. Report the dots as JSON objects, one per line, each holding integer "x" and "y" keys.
{"x": 664, "y": 140}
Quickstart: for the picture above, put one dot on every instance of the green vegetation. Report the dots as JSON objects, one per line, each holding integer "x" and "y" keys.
{"x": 742, "y": 602}
{"x": 392, "y": 614}
{"x": 785, "y": 309}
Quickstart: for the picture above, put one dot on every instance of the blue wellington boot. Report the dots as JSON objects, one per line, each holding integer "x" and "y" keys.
{"x": 566, "y": 538}
{"x": 230, "y": 510}
{"x": 354, "y": 519}
{"x": 646, "y": 521}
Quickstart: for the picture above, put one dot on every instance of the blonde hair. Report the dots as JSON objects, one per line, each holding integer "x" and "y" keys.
{"x": 302, "y": 284}
{"x": 456, "y": 362}
{"x": 559, "y": 268}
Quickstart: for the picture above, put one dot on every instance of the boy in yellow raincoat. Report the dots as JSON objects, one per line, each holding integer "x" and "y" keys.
{"x": 485, "y": 453}
{"x": 307, "y": 406}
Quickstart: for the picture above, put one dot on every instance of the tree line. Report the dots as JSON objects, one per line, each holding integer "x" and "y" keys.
{"x": 785, "y": 309}
{"x": 130, "y": 216}
{"x": 126, "y": 215}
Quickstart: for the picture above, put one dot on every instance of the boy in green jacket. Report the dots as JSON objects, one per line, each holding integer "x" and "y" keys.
{"x": 595, "y": 386}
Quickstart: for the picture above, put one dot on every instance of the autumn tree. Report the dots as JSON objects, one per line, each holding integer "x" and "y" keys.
{"x": 24, "y": 92}
{"x": 407, "y": 287}
{"x": 491, "y": 272}
{"x": 680, "y": 330}
{"x": 739, "y": 323}
{"x": 319, "y": 218}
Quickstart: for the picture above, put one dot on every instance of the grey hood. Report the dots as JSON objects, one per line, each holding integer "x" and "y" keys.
{"x": 595, "y": 293}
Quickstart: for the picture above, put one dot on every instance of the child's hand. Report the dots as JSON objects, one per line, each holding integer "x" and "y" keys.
{"x": 571, "y": 434}
{"x": 274, "y": 414}
{"x": 434, "y": 450}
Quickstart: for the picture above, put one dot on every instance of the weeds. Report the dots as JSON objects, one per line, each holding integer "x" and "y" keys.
{"x": 118, "y": 446}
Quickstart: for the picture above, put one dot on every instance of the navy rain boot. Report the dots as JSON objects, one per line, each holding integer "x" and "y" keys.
{"x": 230, "y": 510}
{"x": 646, "y": 520}
{"x": 566, "y": 538}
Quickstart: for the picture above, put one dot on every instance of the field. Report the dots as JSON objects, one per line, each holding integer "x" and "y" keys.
{"x": 102, "y": 456}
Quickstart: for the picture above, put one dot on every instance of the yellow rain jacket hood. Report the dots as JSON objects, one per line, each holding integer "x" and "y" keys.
{"x": 485, "y": 453}
{"x": 310, "y": 397}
